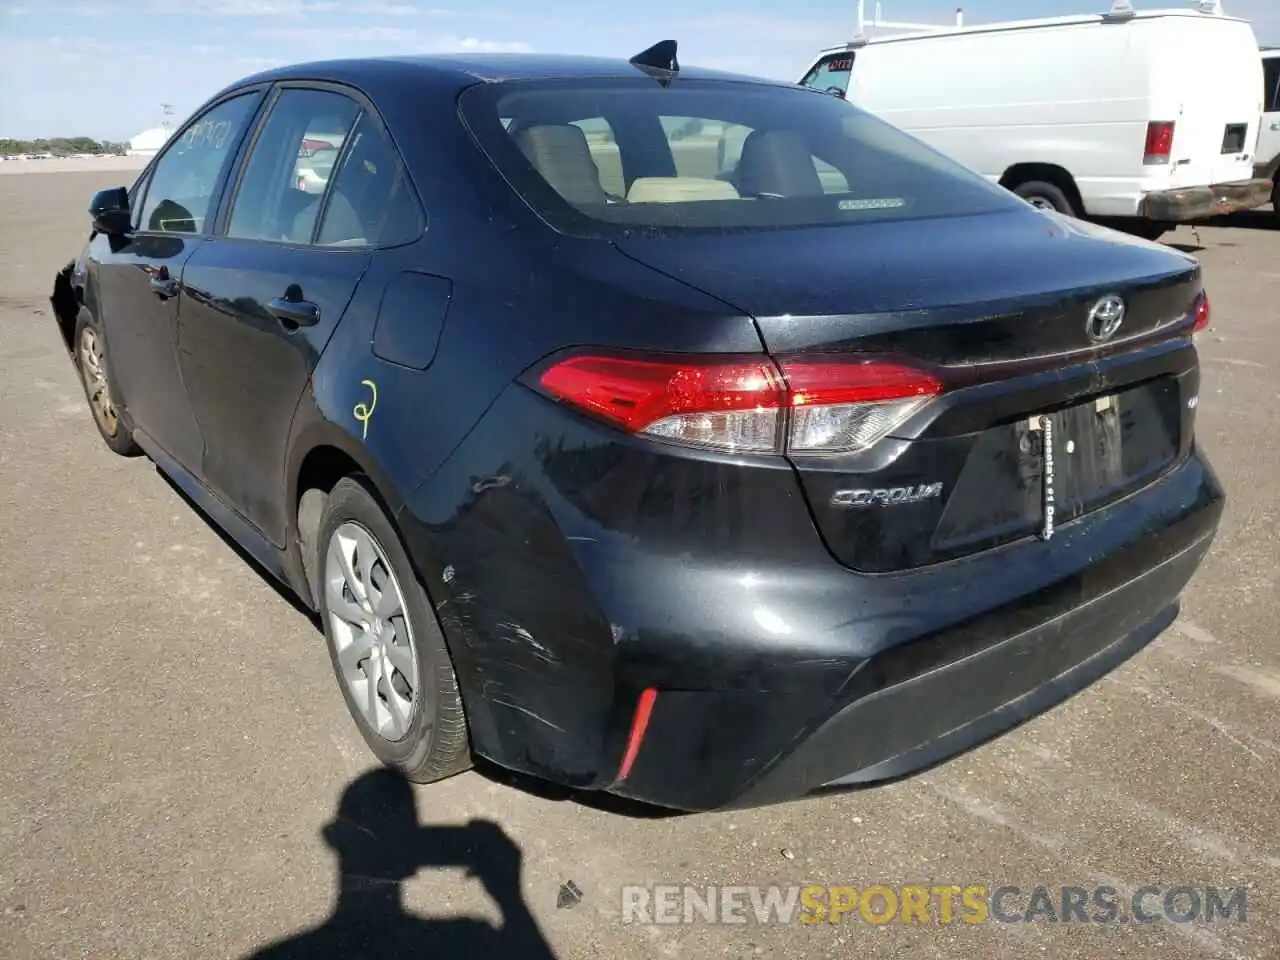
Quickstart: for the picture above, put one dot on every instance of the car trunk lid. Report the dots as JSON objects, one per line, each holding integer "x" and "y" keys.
{"x": 1043, "y": 416}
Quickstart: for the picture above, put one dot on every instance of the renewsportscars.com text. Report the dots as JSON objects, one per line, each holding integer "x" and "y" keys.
{"x": 942, "y": 904}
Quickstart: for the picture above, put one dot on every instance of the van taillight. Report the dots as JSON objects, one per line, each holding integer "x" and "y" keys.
{"x": 1159, "y": 141}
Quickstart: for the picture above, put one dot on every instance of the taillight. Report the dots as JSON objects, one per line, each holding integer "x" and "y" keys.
{"x": 1159, "y": 142}
{"x": 822, "y": 406}
{"x": 1202, "y": 313}
{"x": 841, "y": 407}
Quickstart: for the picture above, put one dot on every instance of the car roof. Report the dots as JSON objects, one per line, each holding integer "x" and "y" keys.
{"x": 465, "y": 69}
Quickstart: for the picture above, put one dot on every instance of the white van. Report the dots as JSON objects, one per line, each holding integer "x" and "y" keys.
{"x": 1269, "y": 138}
{"x": 1150, "y": 114}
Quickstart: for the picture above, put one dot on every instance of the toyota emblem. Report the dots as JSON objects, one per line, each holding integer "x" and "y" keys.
{"x": 1105, "y": 319}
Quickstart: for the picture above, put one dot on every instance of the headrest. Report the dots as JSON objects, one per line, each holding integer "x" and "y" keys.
{"x": 560, "y": 153}
{"x": 777, "y": 162}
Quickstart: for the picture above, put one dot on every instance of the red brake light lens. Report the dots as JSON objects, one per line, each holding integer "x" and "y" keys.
{"x": 1202, "y": 313}
{"x": 1159, "y": 142}
{"x": 746, "y": 404}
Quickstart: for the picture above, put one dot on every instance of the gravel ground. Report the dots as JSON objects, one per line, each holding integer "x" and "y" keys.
{"x": 175, "y": 749}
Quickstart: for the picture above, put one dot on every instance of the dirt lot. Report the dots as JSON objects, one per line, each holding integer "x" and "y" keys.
{"x": 175, "y": 748}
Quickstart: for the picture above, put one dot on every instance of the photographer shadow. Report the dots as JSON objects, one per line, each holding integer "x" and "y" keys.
{"x": 379, "y": 844}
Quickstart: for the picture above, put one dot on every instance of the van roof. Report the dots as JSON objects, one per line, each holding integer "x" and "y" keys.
{"x": 1006, "y": 25}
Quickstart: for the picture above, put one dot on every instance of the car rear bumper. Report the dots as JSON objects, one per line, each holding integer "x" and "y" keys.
{"x": 921, "y": 721}
{"x": 913, "y": 704}
{"x": 1195, "y": 203}
{"x": 578, "y": 584}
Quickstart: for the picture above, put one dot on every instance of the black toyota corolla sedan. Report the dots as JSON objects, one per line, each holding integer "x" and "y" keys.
{"x": 651, "y": 430}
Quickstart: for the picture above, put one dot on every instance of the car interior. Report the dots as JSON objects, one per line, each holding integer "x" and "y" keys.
{"x": 772, "y": 163}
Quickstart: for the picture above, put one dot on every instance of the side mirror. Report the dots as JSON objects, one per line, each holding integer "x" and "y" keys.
{"x": 109, "y": 210}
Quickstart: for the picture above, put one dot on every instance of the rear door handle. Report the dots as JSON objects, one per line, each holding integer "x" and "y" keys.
{"x": 164, "y": 287}
{"x": 1275, "y": 125}
{"x": 294, "y": 313}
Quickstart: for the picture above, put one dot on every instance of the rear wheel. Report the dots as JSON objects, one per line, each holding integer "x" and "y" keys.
{"x": 1046, "y": 196}
{"x": 385, "y": 643}
{"x": 1275, "y": 195}
{"x": 95, "y": 377}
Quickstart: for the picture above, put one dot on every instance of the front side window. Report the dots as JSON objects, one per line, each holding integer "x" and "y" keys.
{"x": 371, "y": 201}
{"x": 288, "y": 171}
{"x": 184, "y": 181}
{"x": 831, "y": 74}
{"x": 136, "y": 193}
{"x": 1271, "y": 96}
{"x": 710, "y": 155}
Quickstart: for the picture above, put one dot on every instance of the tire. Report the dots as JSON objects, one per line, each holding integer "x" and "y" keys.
{"x": 1275, "y": 196}
{"x": 1039, "y": 193}
{"x": 428, "y": 741}
{"x": 99, "y": 387}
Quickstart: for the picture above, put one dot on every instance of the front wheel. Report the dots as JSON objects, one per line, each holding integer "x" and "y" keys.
{"x": 385, "y": 643}
{"x": 95, "y": 377}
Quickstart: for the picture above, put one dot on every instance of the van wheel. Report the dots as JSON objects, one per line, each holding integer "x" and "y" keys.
{"x": 1046, "y": 196}
{"x": 385, "y": 643}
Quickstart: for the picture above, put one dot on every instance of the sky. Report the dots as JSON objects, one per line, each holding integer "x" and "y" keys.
{"x": 103, "y": 68}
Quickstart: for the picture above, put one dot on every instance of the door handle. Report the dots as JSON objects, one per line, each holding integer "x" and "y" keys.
{"x": 1275, "y": 125}
{"x": 294, "y": 313}
{"x": 163, "y": 287}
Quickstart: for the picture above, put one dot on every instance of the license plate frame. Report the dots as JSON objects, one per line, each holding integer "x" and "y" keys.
{"x": 1058, "y": 439}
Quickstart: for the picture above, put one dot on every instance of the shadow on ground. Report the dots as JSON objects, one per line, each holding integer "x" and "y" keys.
{"x": 1264, "y": 218}
{"x": 594, "y": 799}
{"x": 379, "y": 844}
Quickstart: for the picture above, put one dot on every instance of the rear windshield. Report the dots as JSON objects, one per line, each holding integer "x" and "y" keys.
{"x": 608, "y": 156}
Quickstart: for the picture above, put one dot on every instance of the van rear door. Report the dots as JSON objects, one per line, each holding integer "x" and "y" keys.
{"x": 1207, "y": 79}
{"x": 1269, "y": 137}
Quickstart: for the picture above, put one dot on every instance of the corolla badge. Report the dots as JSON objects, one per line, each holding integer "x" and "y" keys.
{"x": 1105, "y": 318}
{"x": 886, "y": 496}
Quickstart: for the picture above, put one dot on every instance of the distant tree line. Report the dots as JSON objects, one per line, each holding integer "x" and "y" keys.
{"x": 61, "y": 146}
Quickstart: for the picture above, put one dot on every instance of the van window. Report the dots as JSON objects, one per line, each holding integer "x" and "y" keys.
{"x": 710, "y": 155}
{"x": 1271, "y": 96}
{"x": 831, "y": 74}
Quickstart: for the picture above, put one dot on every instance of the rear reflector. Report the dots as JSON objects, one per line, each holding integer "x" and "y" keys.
{"x": 1202, "y": 313}
{"x": 824, "y": 406}
{"x": 1159, "y": 142}
{"x": 639, "y": 724}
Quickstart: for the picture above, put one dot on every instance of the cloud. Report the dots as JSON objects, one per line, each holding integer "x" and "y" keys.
{"x": 322, "y": 42}
{"x": 486, "y": 46}
{"x": 278, "y": 9}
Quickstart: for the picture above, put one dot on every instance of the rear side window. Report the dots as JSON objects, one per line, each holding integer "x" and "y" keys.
{"x": 1271, "y": 95}
{"x": 831, "y": 74}
{"x": 280, "y": 192}
{"x": 371, "y": 201}
{"x": 602, "y": 156}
